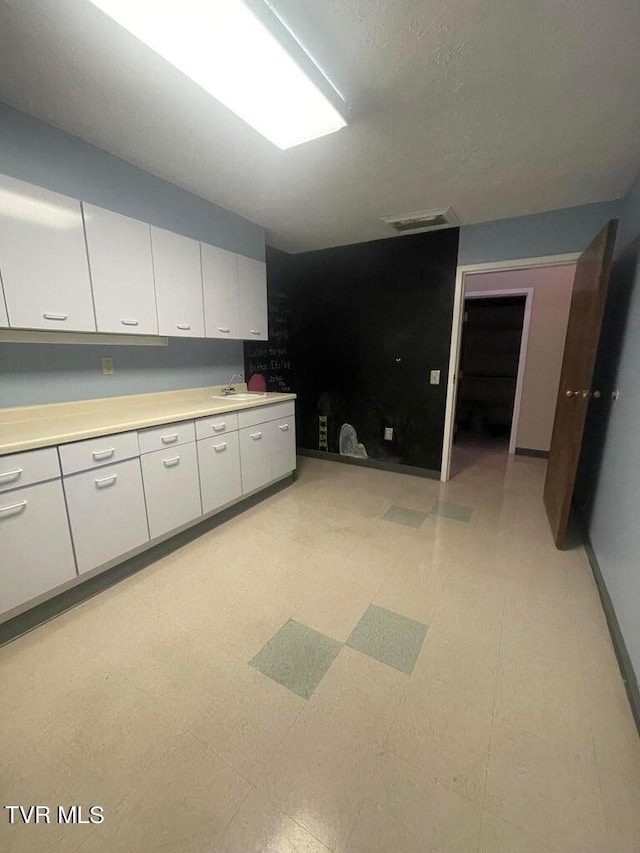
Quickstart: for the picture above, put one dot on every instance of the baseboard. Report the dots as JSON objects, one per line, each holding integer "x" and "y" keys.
{"x": 395, "y": 467}
{"x": 624, "y": 661}
{"x": 52, "y": 607}
{"x": 530, "y": 451}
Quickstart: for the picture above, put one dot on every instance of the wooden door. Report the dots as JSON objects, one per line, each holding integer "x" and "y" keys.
{"x": 583, "y": 333}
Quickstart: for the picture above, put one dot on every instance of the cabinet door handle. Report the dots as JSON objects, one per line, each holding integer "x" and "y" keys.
{"x": 13, "y": 507}
{"x": 55, "y": 316}
{"x": 255, "y": 435}
{"x": 169, "y": 463}
{"x": 220, "y": 447}
{"x": 224, "y": 329}
{"x": 283, "y": 427}
{"x": 103, "y": 454}
{"x": 219, "y": 427}
{"x": 11, "y": 475}
{"x": 184, "y": 326}
{"x": 170, "y": 439}
{"x": 129, "y": 322}
{"x": 102, "y": 482}
{"x": 255, "y": 331}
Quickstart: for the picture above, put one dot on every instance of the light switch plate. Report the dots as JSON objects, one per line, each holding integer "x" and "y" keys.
{"x": 435, "y": 377}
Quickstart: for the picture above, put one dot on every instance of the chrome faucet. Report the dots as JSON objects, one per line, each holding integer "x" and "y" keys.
{"x": 228, "y": 388}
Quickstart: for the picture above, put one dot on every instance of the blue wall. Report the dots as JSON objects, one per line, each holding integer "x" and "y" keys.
{"x": 42, "y": 373}
{"x": 556, "y": 232}
{"x": 613, "y": 508}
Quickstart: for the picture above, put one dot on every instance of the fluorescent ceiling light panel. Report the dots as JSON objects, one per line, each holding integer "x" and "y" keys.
{"x": 223, "y": 47}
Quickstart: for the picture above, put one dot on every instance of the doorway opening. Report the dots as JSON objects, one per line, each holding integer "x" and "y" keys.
{"x": 491, "y": 352}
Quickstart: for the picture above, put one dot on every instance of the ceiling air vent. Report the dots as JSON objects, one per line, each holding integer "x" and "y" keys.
{"x": 425, "y": 220}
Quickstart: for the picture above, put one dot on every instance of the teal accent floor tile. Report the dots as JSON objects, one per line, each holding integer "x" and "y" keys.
{"x": 297, "y": 657}
{"x": 389, "y": 638}
{"x": 456, "y": 511}
{"x": 404, "y": 515}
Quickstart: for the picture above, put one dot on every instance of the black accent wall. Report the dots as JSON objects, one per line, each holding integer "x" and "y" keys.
{"x": 363, "y": 327}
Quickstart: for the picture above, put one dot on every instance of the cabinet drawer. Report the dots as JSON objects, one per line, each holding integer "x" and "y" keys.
{"x": 171, "y": 488}
{"x": 262, "y": 414}
{"x": 107, "y": 513}
{"x": 167, "y": 435}
{"x": 219, "y": 463}
{"x": 216, "y": 425}
{"x": 82, "y": 455}
{"x": 36, "y": 545}
{"x": 33, "y": 466}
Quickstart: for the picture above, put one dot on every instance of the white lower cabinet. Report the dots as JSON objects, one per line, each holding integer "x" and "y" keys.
{"x": 283, "y": 446}
{"x": 36, "y": 546}
{"x": 171, "y": 488}
{"x": 107, "y": 512}
{"x": 219, "y": 462}
{"x": 255, "y": 457}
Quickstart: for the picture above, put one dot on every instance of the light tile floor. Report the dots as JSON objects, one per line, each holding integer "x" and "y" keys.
{"x": 508, "y": 733}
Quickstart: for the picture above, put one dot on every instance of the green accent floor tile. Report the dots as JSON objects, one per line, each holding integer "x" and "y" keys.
{"x": 404, "y": 515}
{"x": 389, "y": 638}
{"x": 456, "y": 511}
{"x": 297, "y": 657}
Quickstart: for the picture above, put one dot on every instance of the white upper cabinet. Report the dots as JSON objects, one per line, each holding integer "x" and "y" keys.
{"x": 121, "y": 272}
{"x": 220, "y": 289}
{"x": 4, "y": 320}
{"x": 252, "y": 290}
{"x": 43, "y": 259}
{"x": 178, "y": 277}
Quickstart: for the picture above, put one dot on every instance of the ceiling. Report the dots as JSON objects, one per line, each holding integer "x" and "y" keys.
{"x": 496, "y": 107}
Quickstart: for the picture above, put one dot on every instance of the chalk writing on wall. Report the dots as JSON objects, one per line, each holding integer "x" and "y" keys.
{"x": 272, "y": 358}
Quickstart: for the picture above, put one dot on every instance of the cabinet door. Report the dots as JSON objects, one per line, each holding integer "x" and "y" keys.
{"x": 178, "y": 278}
{"x": 220, "y": 290}
{"x": 282, "y": 436}
{"x": 219, "y": 462}
{"x": 255, "y": 457}
{"x": 171, "y": 488}
{"x": 36, "y": 545}
{"x": 107, "y": 512}
{"x": 4, "y": 319}
{"x": 252, "y": 289}
{"x": 43, "y": 259}
{"x": 121, "y": 272}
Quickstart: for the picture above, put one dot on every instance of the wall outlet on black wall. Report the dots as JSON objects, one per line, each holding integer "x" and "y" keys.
{"x": 388, "y": 433}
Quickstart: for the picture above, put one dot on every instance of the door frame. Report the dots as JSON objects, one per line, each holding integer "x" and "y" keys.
{"x": 528, "y": 293}
{"x": 462, "y": 271}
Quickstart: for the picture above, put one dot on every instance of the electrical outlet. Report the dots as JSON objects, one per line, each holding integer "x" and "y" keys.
{"x": 107, "y": 366}
{"x": 435, "y": 377}
{"x": 388, "y": 433}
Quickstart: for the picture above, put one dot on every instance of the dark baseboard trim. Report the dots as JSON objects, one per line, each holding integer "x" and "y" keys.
{"x": 530, "y": 451}
{"x": 396, "y": 467}
{"x": 619, "y": 646}
{"x": 52, "y": 607}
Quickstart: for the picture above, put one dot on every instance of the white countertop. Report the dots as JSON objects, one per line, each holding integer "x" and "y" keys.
{"x": 29, "y": 427}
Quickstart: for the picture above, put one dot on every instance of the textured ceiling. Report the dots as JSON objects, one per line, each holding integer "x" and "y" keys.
{"x": 497, "y": 107}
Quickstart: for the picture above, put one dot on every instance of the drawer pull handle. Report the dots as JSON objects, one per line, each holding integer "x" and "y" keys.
{"x": 170, "y": 439}
{"x": 169, "y": 463}
{"x": 224, "y": 329}
{"x": 220, "y": 447}
{"x": 256, "y": 332}
{"x": 13, "y": 507}
{"x": 55, "y": 316}
{"x": 219, "y": 427}
{"x": 103, "y": 482}
{"x": 255, "y": 435}
{"x": 283, "y": 427}
{"x": 184, "y": 326}
{"x": 129, "y": 322}
{"x": 11, "y": 475}
{"x": 103, "y": 454}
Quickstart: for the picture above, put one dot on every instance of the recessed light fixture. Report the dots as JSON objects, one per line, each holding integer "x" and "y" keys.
{"x": 228, "y": 47}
